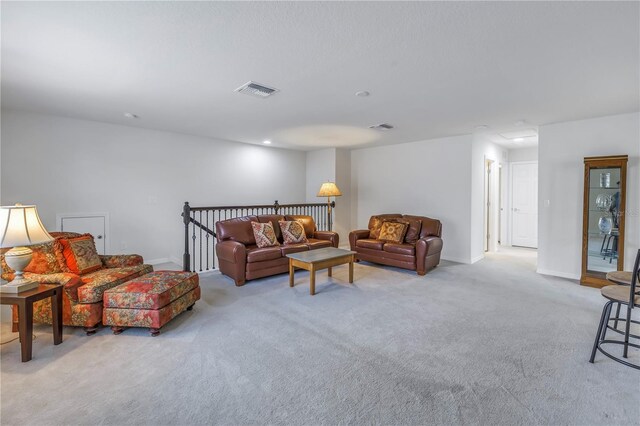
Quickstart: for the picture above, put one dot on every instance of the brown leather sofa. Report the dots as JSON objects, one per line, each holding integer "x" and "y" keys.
{"x": 420, "y": 250}
{"x": 240, "y": 258}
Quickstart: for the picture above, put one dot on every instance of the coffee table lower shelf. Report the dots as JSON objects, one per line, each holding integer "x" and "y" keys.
{"x": 315, "y": 260}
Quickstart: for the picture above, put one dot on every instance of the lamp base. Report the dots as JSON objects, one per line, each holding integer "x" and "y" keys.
{"x": 18, "y": 286}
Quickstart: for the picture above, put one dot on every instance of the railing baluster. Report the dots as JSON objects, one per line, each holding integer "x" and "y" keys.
{"x": 193, "y": 216}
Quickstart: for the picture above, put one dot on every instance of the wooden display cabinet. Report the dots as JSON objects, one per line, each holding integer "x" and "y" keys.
{"x": 603, "y": 218}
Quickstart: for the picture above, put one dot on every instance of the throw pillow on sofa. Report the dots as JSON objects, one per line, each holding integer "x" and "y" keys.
{"x": 292, "y": 232}
{"x": 264, "y": 234}
{"x": 393, "y": 232}
{"x": 80, "y": 254}
{"x": 46, "y": 259}
{"x": 374, "y": 232}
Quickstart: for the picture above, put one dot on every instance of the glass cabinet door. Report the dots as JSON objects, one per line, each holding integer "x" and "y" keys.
{"x": 603, "y": 227}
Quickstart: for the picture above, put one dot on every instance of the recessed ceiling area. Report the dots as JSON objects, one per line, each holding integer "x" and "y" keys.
{"x": 432, "y": 69}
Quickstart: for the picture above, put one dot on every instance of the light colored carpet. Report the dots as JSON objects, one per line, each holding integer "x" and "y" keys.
{"x": 490, "y": 343}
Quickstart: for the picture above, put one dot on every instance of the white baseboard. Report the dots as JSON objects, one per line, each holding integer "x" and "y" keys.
{"x": 157, "y": 261}
{"x": 477, "y": 259}
{"x": 457, "y": 260}
{"x": 175, "y": 260}
{"x": 567, "y": 275}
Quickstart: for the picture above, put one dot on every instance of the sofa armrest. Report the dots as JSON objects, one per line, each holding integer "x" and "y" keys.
{"x": 121, "y": 260}
{"x": 359, "y": 234}
{"x": 71, "y": 282}
{"x": 331, "y": 236}
{"x": 426, "y": 246}
{"x": 232, "y": 251}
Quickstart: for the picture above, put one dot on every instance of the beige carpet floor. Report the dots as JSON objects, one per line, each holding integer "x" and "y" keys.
{"x": 490, "y": 343}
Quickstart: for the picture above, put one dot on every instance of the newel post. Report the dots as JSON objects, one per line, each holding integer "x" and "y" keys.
{"x": 186, "y": 218}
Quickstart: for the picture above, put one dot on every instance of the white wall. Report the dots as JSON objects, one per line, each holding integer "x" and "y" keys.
{"x": 140, "y": 177}
{"x": 342, "y": 212}
{"x": 332, "y": 164}
{"x": 524, "y": 154}
{"x": 429, "y": 178}
{"x": 320, "y": 168}
{"x": 562, "y": 148}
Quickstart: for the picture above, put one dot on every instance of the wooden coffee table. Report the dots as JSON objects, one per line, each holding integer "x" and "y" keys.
{"x": 314, "y": 260}
{"x": 25, "y": 300}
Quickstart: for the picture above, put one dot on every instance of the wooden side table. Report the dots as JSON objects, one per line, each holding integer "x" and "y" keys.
{"x": 25, "y": 301}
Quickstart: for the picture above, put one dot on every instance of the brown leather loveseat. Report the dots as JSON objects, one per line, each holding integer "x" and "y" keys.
{"x": 419, "y": 250}
{"x": 241, "y": 259}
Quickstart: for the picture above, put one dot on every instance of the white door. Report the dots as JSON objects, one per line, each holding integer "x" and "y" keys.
{"x": 95, "y": 225}
{"x": 524, "y": 203}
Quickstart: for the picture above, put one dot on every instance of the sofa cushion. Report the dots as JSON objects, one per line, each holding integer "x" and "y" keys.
{"x": 407, "y": 249}
{"x": 96, "y": 283}
{"x": 292, "y": 232}
{"x": 293, "y": 248}
{"x": 80, "y": 254}
{"x": 429, "y": 226}
{"x": 262, "y": 254}
{"x": 307, "y": 222}
{"x": 370, "y": 244}
{"x": 393, "y": 231}
{"x": 264, "y": 234}
{"x": 237, "y": 229}
{"x": 314, "y": 243}
{"x": 413, "y": 231}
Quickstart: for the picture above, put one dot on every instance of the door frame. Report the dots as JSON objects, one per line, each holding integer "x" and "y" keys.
{"x": 105, "y": 215}
{"x": 510, "y": 202}
{"x": 491, "y": 205}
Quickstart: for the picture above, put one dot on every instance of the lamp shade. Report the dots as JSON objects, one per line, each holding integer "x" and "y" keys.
{"x": 21, "y": 226}
{"x": 329, "y": 189}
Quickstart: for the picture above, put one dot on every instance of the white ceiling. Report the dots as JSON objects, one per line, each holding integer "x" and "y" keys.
{"x": 433, "y": 68}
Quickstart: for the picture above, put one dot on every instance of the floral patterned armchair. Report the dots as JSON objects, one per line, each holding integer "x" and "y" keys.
{"x": 82, "y": 295}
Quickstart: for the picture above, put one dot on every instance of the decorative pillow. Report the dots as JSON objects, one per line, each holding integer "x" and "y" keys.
{"x": 264, "y": 234}
{"x": 393, "y": 232}
{"x": 80, "y": 254}
{"x": 374, "y": 232}
{"x": 46, "y": 258}
{"x": 292, "y": 232}
{"x": 413, "y": 229}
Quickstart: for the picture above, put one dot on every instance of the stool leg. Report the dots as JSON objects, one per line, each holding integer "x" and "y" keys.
{"x": 599, "y": 333}
{"x": 117, "y": 330}
{"x": 626, "y": 331}
{"x": 615, "y": 323}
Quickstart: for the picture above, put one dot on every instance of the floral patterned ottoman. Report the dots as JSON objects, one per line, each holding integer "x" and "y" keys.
{"x": 151, "y": 300}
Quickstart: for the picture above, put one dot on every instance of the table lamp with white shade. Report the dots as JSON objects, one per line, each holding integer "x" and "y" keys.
{"x": 20, "y": 226}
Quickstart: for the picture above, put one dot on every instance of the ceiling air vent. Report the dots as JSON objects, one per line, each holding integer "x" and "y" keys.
{"x": 254, "y": 89}
{"x": 383, "y": 126}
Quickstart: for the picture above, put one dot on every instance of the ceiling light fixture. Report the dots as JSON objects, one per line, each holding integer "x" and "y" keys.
{"x": 362, "y": 94}
{"x": 130, "y": 115}
{"x": 517, "y": 139}
{"x": 266, "y": 142}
